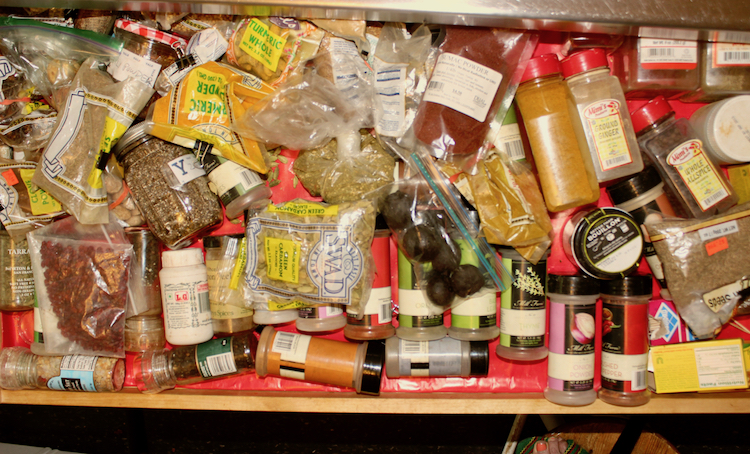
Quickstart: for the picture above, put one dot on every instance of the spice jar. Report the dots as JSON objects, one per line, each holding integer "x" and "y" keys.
{"x": 643, "y": 197}
{"x": 625, "y": 340}
{"x": 572, "y": 332}
{"x": 225, "y": 267}
{"x": 446, "y": 357}
{"x": 321, "y": 318}
{"x": 145, "y": 291}
{"x": 507, "y": 136}
{"x": 605, "y": 243}
{"x": 303, "y": 357}
{"x": 156, "y": 371}
{"x": 723, "y": 129}
{"x": 604, "y": 115}
{"x": 169, "y": 186}
{"x": 558, "y": 145}
{"x": 724, "y": 70}
{"x": 701, "y": 188}
{"x": 648, "y": 67}
{"x": 144, "y": 332}
{"x": 523, "y": 308}
{"x": 415, "y": 322}
{"x": 184, "y": 295}
{"x": 21, "y": 369}
{"x": 17, "y": 282}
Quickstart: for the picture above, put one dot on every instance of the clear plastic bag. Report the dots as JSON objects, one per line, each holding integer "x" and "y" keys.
{"x": 81, "y": 277}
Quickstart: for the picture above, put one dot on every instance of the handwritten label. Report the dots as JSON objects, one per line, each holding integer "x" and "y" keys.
{"x": 133, "y": 65}
{"x": 719, "y": 230}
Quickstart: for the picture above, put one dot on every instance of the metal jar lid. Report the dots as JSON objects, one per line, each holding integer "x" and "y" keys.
{"x": 132, "y": 139}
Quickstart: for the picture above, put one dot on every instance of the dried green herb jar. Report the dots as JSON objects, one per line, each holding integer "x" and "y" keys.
{"x": 16, "y": 281}
{"x": 170, "y": 187}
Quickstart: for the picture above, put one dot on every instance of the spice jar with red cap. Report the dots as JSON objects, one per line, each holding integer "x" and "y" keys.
{"x": 566, "y": 173}
{"x": 701, "y": 188}
{"x": 601, "y": 106}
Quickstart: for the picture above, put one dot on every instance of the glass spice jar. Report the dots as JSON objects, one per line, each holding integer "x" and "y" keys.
{"x": 144, "y": 332}
{"x": 21, "y": 369}
{"x": 724, "y": 71}
{"x": 156, "y": 371}
{"x": 144, "y": 275}
{"x": 169, "y": 186}
{"x": 16, "y": 279}
{"x": 558, "y": 145}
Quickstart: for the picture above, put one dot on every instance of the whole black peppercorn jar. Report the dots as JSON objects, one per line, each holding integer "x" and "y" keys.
{"x": 170, "y": 187}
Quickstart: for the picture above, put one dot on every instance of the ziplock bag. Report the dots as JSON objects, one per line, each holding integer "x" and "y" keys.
{"x": 81, "y": 277}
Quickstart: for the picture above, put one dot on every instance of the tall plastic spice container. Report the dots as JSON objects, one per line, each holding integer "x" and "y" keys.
{"x": 625, "y": 340}
{"x": 700, "y": 187}
{"x": 600, "y": 102}
{"x": 446, "y": 357}
{"x": 555, "y": 134}
{"x": 572, "y": 332}
{"x": 414, "y": 319}
{"x": 523, "y": 308}
{"x": 184, "y": 295}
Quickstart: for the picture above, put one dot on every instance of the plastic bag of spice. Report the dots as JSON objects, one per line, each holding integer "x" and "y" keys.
{"x": 311, "y": 252}
{"x": 81, "y": 278}
{"x": 475, "y": 78}
{"x": 96, "y": 114}
{"x": 705, "y": 265}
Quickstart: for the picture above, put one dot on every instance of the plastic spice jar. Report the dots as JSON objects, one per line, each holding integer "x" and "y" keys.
{"x": 303, "y": 357}
{"x": 564, "y": 165}
{"x": 144, "y": 332}
{"x": 642, "y": 195}
{"x": 169, "y": 186}
{"x": 724, "y": 129}
{"x": 701, "y": 188}
{"x": 184, "y": 295}
{"x": 605, "y": 243}
{"x": 17, "y": 281}
{"x": 156, "y": 371}
{"x": 21, "y": 369}
{"x": 446, "y": 357}
{"x": 523, "y": 308}
{"x": 724, "y": 70}
{"x": 572, "y": 333}
{"x": 145, "y": 291}
{"x": 648, "y": 67}
{"x": 415, "y": 322}
{"x": 625, "y": 340}
{"x": 604, "y": 115}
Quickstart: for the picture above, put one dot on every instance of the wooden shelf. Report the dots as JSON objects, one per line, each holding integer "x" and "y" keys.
{"x": 391, "y": 403}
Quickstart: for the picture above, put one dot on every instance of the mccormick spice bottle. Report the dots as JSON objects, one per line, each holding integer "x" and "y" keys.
{"x": 604, "y": 115}
{"x": 701, "y": 188}
{"x": 555, "y": 134}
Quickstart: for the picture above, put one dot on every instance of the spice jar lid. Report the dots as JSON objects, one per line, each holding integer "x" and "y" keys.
{"x": 650, "y": 113}
{"x": 479, "y": 358}
{"x": 634, "y": 186}
{"x": 633, "y": 285}
{"x": 583, "y": 61}
{"x": 133, "y": 137}
{"x": 182, "y": 257}
{"x": 573, "y": 285}
{"x": 542, "y": 65}
{"x": 372, "y": 369}
{"x": 216, "y": 241}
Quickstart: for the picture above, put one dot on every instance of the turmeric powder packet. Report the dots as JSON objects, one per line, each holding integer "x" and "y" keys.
{"x": 201, "y": 108}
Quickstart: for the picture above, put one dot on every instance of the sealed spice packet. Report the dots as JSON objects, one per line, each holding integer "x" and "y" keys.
{"x": 81, "y": 279}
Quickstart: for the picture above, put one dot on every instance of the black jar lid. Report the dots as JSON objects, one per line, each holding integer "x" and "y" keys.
{"x": 572, "y": 284}
{"x": 632, "y": 285}
{"x": 372, "y": 369}
{"x": 479, "y": 358}
{"x": 133, "y": 137}
{"x": 634, "y": 186}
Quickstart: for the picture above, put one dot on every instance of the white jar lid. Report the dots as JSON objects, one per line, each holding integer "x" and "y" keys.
{"x": 731, "y": 130}
{"x": 182, "y": 257}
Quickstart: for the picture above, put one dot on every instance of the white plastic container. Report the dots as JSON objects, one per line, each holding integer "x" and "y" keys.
{"x": 268, "y": 317}
{"x": 724, "y": 129}
{"x": 184, "y": 296}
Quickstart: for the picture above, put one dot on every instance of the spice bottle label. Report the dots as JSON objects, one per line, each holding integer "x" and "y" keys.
{"x": 429, "y": 358}
{"x": 76, "y": 374}
{"x": 390, "y": 82}
{"x": 523, "y": 305}
{"x": 262, "y": 44}
{"x": 186, "y": 305}
{"x": 731, "y": 54}
{"x": 570, "y": 365}
{"x": 320, "y": 312}
{"x": 475, "y": 313}
{"x": 624, "y": 346}
{"x": 186, "y": 168}
{"x": 509, "y": 140}
{"x": 378, "y": 310}
{"x": 667, "y": 54}
{"x": 613, "y": 242}
{"x": 215, "y": 358}
{"x": 292, "y": 348}
{"x": 698, "y": 173}
{"x": 463, "y": 85}
{"x": 604, "y": 121}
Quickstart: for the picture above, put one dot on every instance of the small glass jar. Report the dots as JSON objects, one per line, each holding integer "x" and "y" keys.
{"x": 724, "y": 129}
{"x": 21, "y": 369}
{"x": 144, "y": 332}
{"x": 603, "y": 112}
{"x": 162, "y": 48}
{"x": 446, "y": 357}
{"x": 724, "y": 71}
{"x": 16, "y": 281}
{"x": 145, "y": 296}
{"x": 701, "y": 188}
{"x": 169, "y": 186}
{"x": 156, "y": 371}
{"x": 556, "y": 137}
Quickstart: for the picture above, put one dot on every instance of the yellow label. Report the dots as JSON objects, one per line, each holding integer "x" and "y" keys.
{"x": 739, "y": 177}
{"x": 113, "y": 130}
{"x": 698, "y": 173}
{"x": 305, "y": 209}
{"x": 605, "y": 126}
{"x": 262, "y": 44}
{"x": 282, "y": 259}
{"x": 239, "y": 265}
{"x": 205, "y": 96}
{"x": 296, "y": 304}
{"x": 41, "y": 202}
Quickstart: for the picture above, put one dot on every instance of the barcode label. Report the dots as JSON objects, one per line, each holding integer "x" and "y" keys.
{"x": 203, "y": 304}
{"x": 667, "y": 53}
{"x": 415, "y": 351}
{"x": 292, "y": 347}
{"x": 741, "y": 57}
{"x": 434, "y": 85}
{"x": 411, "y": 346}
{"x": 283, "y": 342}
{"x": 250, "y": 179}
{"x": 619, "y": 160}
{"x": 221, "y": 364}
{"x": 638, "y": 381}
{"x": 714, "y": 199}
{"x": 514, "y": 150}
{"x": 663, "y": 52}
{"x": 386, "y": 314}
{"x": 731, "y": 54}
